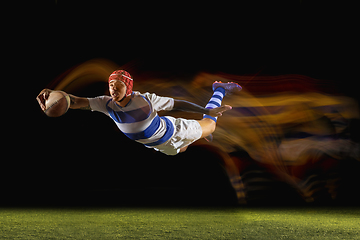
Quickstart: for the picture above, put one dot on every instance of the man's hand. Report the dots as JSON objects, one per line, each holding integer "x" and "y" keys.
{"x": 42, "y": 97}
{"x": 75, "y": 102}
{"x": 217, "y": 112}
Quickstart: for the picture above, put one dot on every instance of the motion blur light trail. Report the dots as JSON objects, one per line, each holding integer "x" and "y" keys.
{"x": 287, "y": 124}
{"x": 258, "y": 123}
{"x": 96, "y": 70}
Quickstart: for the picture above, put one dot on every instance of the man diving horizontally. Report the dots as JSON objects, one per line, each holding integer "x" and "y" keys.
{"x": 135, "y": 114}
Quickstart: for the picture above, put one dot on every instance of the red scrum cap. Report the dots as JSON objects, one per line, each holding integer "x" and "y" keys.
{"x": 125, "y": 77}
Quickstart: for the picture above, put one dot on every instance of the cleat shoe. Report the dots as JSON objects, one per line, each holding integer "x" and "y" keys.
{"x": 230, "y": 87}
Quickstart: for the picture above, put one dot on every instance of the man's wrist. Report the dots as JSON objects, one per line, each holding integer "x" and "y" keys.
{"x": 207, "y": 111}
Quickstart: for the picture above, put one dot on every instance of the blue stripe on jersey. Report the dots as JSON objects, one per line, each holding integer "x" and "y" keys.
{"x": 168, "y": 134}
{"x": 148, "y": 132}
{"x": 138, "y": 115}
{"x": 132, "y": 116}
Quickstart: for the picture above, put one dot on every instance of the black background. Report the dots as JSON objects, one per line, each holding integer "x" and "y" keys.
{"x": 80, "y": 159}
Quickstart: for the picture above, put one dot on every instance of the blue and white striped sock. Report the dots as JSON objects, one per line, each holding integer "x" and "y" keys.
{"x": 215, "y": 101}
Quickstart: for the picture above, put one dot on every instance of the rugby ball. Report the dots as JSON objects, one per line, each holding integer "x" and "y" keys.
{"x": 57, "y": 104}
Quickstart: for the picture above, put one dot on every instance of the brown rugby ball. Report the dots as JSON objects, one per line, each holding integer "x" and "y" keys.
{"x": 57, "y": 104}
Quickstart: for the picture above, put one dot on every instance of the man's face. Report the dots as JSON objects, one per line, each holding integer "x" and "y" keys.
{"x": 117, "y": 90}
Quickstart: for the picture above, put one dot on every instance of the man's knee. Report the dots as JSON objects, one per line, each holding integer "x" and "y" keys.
{"x": 212, "y": 126}
{"x": 208, "y": 126}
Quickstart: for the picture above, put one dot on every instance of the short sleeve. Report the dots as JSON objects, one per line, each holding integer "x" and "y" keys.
{"x": 160, "y": 103}
{"x": 99, "y": 104}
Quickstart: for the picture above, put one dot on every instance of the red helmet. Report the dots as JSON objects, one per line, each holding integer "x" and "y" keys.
{"x": 125, "y": 77}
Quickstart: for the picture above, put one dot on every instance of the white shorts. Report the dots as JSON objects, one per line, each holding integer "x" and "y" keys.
{"x": 185, "y": 133}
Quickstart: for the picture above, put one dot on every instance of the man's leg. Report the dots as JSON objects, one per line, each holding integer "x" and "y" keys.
{"x": 208, "y": 123}
{"x": 208, "y": 126}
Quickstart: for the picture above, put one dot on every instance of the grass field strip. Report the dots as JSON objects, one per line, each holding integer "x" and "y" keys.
{"x": 180, "y": 223}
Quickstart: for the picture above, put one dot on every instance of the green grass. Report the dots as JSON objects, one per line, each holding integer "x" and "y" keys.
{"x": 180, "y": 223}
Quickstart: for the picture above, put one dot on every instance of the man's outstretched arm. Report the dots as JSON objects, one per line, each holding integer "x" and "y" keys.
{"x": 183, "y": 105}
{"x": 79, "y": 103}
{"x": 75, "y": 102}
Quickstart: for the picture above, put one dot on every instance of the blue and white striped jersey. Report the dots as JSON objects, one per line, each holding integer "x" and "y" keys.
{"x": 139, "y": 120}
